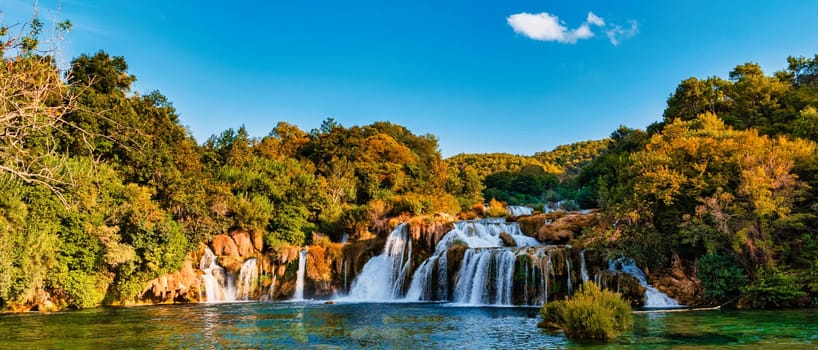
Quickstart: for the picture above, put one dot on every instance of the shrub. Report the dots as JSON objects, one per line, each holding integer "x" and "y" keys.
{"x": 720, "y": 276}
{"x": 772, "y": 288}
{"x": 590, "y": 314}
{"x": 552, "y": 315}
{"x": 411, "y": 203}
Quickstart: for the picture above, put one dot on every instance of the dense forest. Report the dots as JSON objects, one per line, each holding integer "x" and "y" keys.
{"x": 104, "y": 189}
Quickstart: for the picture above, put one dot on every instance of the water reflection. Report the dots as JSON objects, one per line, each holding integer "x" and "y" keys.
{"x": 423, "y": 325}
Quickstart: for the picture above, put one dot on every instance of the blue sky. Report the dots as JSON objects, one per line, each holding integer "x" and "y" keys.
{"x": 483, "y": 76}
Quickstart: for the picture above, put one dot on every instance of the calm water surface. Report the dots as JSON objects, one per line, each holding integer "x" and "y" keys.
{"x": 372, "y": 326}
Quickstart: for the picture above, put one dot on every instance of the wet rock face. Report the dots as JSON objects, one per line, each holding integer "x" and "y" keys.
{"x": 508, "y": 241}
{"x": 678, "y": 284}
{"x": 621, "y": 282}
{"x": 428, "y": 233}
{"x": 325, "y": 269}
{"x": 685, "y": 290}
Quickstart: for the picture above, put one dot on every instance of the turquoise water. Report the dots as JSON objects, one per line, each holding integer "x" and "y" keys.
{"x": 372, "y": 326}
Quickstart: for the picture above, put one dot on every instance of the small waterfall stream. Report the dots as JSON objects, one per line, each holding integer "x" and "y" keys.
{"x": 583, "y": 267}
{"x": 653, "y": 297}
{"x": 299, "y": 281}
{"x": 383, "y": 277}
{"x": 218, "y": 285}
{"x": 519, "y": 210}
{"x": 248, "y": 279}
{"x": 568, "y": 271}
{"x": 271, "y": 291}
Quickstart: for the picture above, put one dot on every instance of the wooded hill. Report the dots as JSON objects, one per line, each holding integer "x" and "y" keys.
{"x": 104, "y": 189}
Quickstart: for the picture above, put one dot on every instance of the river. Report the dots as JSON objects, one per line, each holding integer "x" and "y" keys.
{"x": 387, "y": 325}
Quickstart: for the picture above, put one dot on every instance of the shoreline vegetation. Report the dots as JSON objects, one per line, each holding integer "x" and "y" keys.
{"x": 108, "y": 200}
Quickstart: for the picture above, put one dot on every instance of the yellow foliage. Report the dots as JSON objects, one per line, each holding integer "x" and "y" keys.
{"x": 496, "y": 209}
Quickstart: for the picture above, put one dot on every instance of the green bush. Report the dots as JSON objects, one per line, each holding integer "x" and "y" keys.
{"x": 772, "y": 288}
{"x": 552, "y": 315}
{"x": 590, "y": 314}
{"x": 721, "y": 276}
{"x": 411, "y": 203}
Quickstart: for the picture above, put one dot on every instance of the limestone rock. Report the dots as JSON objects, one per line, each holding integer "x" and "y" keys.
{"x": 244, "y": 244}
{"x": 508, "y": 241}
{"x": 258, "y": 240}
{"x": 223, "y": 245}
{"x": 178, "y": 286}
{"x": 557, "y": 227}
{"x": 629, "y": 286}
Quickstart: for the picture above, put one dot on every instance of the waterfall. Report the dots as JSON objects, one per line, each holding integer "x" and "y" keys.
{"x": 272, "y": 289}
{"x": 653, "y": 297}
{"x": 422, "y": 278}
{"x": 384, "y": 276}
{"x": 568, "y": 272}
{"x": 346, "y": 272}
{"x": 546, "y": 272}
{"x": 525, "y": 280}
{"x": 485, "y": 234}
{"x": 519, "y": 210}
{"x": 583, "y": 269}
{"x": 218, "y": 284}
{"x": 248, "y": 279}
{"x": 486, "y": 277}
{"x": 486, "y": 273}
{"x": 299, "y": 280}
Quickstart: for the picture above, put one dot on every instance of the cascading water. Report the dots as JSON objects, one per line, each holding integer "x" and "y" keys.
{"x": 486, "y": 277}
{"x": 384, "y": 276}
{"x": 346, "y": 273}
{"x": 544, "y": 274}
{"x": 486, "y": 273}
{"x": 271, "y": 291}
{"x": 568, "y": 271}
{"x": 248, "y": 279}
{"x": 218, "y": 284}
{"x": 583, "y": 268}
{"x": 299, "y": 281}
{"x": 653, "y": 297}
{"x": 519, "y": 210}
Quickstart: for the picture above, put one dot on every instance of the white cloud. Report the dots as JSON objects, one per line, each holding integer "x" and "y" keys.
{"x": 541, "y": 26}
{"x": 547, "y": 27}
{"x": 616, "y": 33}
{"x": 595, "y": 20}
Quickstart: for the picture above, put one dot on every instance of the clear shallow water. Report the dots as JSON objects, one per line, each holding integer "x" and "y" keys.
{"x": 372, "y": 326}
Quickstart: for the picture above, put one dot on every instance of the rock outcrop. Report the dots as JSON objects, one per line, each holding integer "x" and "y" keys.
{"x": 178, "y": 286}
{"x": 629, "y": 286}
{"x": 557, "y": 227}
{"x": 678, "y": 284}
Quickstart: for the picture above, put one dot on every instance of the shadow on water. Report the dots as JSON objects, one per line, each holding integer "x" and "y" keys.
{"x": 701, "y": 339}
